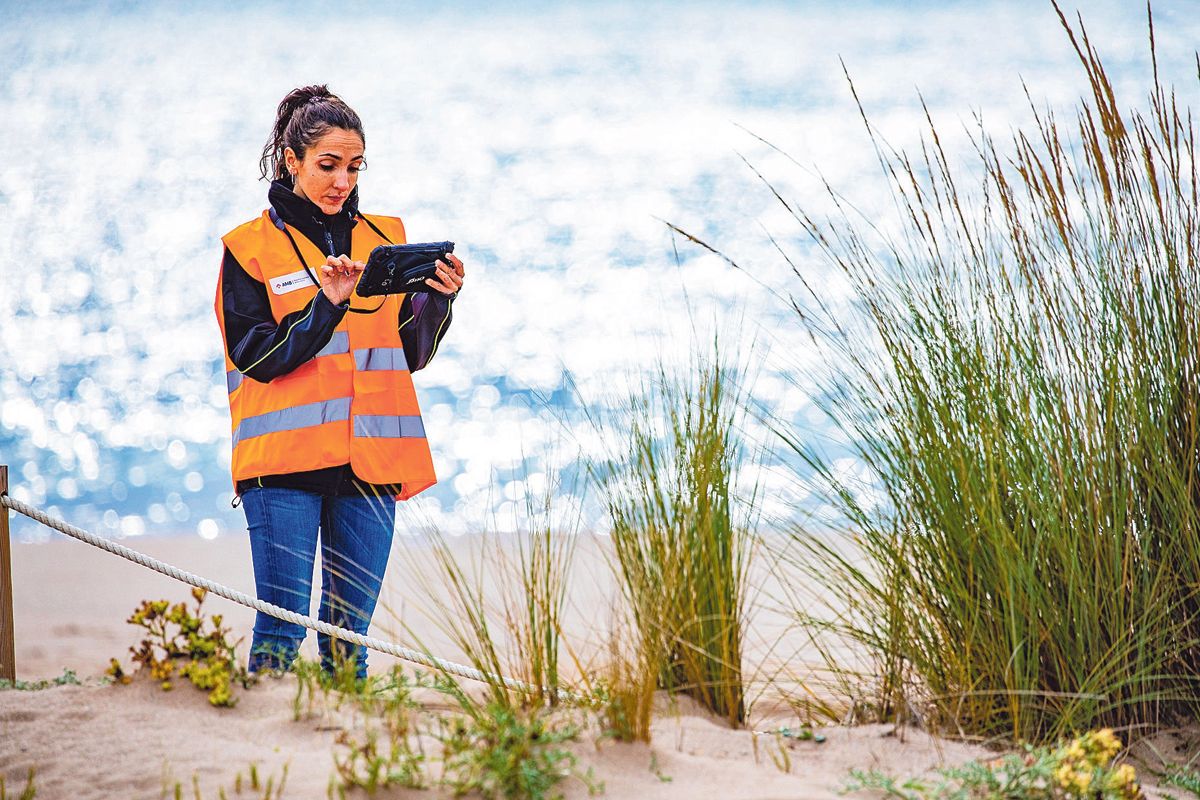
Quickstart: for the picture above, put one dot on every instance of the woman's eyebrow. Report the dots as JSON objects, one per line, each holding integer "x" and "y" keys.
{"x": 337, "y": 157}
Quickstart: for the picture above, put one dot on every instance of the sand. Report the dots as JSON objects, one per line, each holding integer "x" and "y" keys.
{"x": 101, "y": 741}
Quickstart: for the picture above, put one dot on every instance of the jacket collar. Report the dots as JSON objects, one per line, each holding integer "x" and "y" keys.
{"x": 304, "y": 215}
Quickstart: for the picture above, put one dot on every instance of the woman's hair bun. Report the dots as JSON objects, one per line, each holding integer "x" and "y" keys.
{"x": 306, "y": 94}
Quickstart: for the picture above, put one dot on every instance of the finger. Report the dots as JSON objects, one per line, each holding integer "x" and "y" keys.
{"x": 458, "y": 264}
{"x": 441, "y": 287}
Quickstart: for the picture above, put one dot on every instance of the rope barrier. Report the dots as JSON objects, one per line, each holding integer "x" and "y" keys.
{"x": 391, "y": 648}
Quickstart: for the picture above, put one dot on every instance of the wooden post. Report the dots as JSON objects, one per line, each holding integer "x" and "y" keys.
{"x": 8, "y": 656}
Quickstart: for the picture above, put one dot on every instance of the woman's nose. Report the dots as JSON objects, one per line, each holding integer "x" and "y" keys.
{"x": 342, "y": 181}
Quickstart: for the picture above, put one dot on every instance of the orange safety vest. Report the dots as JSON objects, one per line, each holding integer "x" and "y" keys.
{"x": 353, "y": 402}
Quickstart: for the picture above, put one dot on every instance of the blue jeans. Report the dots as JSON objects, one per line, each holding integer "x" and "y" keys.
{"x": 356, "y": 537}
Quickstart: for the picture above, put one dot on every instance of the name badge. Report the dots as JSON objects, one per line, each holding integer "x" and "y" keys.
{"x": 291, "y": 282}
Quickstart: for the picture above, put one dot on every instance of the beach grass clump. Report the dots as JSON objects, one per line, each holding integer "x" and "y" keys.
{"x": 622, "y": 697}
{"x": 249, "y": 785}
{"x": 539, "y": 557}
{"x": 1079, "y": 769}
{"x": 500, "y": 599}
{"x": 185, "y": 643}
{"x": 28, "y": 793}
{"x": 1019, "y": 375}
{"x": 681, "y": 542}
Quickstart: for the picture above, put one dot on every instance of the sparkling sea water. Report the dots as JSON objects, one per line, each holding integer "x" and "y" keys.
{"x": 551, "y": 141}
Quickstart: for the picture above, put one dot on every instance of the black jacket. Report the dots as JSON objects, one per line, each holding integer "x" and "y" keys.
{"x": 264, "y": 350}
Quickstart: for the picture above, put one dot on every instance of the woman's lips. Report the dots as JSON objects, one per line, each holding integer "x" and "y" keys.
{"x": 335, "y": 200}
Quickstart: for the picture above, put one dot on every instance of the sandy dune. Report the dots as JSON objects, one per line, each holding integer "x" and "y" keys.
{"x": 131, "y": 741}
{"x": 97, "y": 741}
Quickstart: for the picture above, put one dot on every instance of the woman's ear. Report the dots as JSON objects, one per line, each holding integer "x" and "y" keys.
{"x": 290, "y": 161}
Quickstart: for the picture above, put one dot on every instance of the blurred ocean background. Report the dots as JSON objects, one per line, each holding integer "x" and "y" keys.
{"x": 550, "y": 141}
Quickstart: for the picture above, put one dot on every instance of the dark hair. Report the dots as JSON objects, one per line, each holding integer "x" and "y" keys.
{"x": 304, "y": 116}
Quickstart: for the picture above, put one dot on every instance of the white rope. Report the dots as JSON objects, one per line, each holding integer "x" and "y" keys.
{"x": 391, "y": 648}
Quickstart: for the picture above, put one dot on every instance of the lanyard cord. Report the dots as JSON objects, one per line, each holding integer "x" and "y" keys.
{"x": 313, "y": 277}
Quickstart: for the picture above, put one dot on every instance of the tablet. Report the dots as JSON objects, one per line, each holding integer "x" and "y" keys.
{"x": 398, "y": 268}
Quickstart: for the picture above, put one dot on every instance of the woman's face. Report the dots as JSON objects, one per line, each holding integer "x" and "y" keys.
{"x": 329, "y": 170}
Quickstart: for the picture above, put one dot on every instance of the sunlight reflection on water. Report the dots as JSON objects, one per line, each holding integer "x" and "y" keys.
{"x": 550, "y": 142}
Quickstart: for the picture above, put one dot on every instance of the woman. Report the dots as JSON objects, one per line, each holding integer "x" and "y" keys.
{"x": 326, "y": 429}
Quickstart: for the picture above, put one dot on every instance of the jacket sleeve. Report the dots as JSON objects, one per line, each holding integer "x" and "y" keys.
{"x": 424, "y": 319}
{"x": 260, "y": 348}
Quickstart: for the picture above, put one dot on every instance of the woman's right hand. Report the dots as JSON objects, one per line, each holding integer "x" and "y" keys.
{"x": 339, "y": 276}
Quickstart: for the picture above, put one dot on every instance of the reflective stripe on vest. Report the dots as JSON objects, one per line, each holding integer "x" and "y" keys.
{"x": 388, "y": 427}
{"x": 290, "y": 419}
{"x": 339, "y": 343}
{"x": 375, "y": 358}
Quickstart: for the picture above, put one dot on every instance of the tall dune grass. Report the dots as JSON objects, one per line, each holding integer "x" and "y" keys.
{"x": 681, "y": 537}
{"x": 500, "y": 599}
{"x": 1019, "y": 374}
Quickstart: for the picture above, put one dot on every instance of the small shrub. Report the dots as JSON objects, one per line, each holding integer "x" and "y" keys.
{"x": 1080, "y": 769}
{"x": 178, "y": 644}
{"x": 501, "y": 752}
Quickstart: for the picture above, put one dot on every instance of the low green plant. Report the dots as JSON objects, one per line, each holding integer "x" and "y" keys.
{"x": 1179, "y": 777}
{"x": 1080, "y": 769}
{"x": 498, "y": 751}
{"x": 28, "y": 793}
{"x": 68, "y": 678}
{"x": 388, "y": 751}
{"x": 184, "y": 642}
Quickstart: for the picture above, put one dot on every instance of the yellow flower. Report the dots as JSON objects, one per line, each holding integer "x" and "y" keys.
{"x": 1123, "y": 780}
{"x": 1104, "y": 745}
{"x": 1072, "y": 779}
{"x": 1063, "y": 775}
{"x": 1083, "y": 779}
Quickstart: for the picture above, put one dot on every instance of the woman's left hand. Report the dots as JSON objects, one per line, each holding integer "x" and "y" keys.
{"x": 449, "y": 278}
